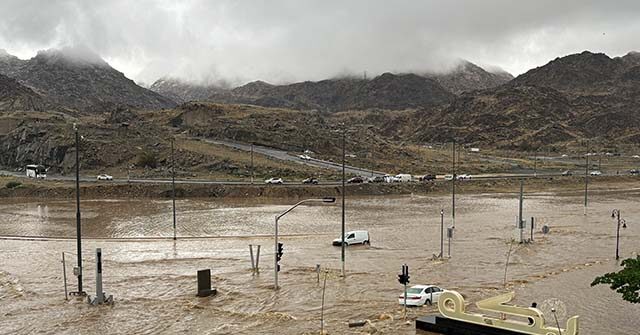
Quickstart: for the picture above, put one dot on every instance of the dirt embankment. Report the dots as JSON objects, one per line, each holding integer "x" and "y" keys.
{"x": 96, "y": 191}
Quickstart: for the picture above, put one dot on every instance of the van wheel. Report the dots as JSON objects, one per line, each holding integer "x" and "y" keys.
{"x": 366, "y": 243}
{"x": 345, "y": 243}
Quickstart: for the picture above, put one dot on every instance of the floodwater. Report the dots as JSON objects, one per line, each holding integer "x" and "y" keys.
{"x": 153, "y": 278}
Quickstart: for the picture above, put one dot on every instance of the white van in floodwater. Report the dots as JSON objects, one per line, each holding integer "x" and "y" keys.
{"x": 354, "y": 237}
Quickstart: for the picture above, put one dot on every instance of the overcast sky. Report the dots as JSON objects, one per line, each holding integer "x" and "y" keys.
{"x": 284, "y": 41}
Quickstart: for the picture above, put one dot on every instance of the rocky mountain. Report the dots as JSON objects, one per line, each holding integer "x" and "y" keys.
{"x": 387, "y": 91}
{"x": 16, "y": 97}
{"x": 467, "y": 76}
{"x": 579, "y": 96}
{"x": 79, "y": 81}
{"x": 180, "y": 91}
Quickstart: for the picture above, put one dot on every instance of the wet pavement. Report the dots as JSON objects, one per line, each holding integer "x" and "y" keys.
{"x": 153, "y": 278}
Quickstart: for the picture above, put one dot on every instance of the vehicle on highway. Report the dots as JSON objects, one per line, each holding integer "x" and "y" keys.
{"x": 564, "y": 155}
{"x": 274, "y": 181}
{"x": 634, "y": 171}
{"x": 104, "y": 176}
{"x": 304, "y": 157}
{"x": 403, "y": 178}
{"x": 567, "y": 173}
{"x": 448, "y": 177}
{"x": 420, "y": 295}
{"x": 354, "y": 237}
{"x": 355, "y": 180}
{"x": 391, "y": 179}
{"x": 427, "y": 177}
{"x": 36, "y": 171}
{"x": 377, "y": 179}
{"x": 595, "y": 173}
{"x": 463, "y": 176}
{"x": 311, "y": 180}
{"x": 635, "y": 156}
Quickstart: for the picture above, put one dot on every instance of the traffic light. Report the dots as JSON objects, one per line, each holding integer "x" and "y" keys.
{"x": 279, "y": 255}
{"x": 403, "y": 278}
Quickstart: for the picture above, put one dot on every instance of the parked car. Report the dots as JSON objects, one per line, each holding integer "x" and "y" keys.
{"x": 310, "y": 181}
{"x": 403, "y": 178}
{"x": 354, "y": 237}
{"x": 567, "y": 173}
{"x": 635, "y": 156}
{"x": 428, "y": 177}
{"x": 104, "y": 177}
{"x": 448, "y": 177}
{"x": 595, "y": 173}
{"x": 420, "y": 295}
{"x": 304, "y": 157}
{"x": 634, "y": 171}
{"x": 274, "y": 181}
{"x": 355, "y": 180}
{"x": 463, "y": 176}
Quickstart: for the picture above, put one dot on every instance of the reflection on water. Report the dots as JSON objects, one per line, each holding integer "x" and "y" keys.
{"x": 154, "y": 280}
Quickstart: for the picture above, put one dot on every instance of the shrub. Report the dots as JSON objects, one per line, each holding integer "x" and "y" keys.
{"x": 147, "y": 159}
{"x": 13, "y": 184}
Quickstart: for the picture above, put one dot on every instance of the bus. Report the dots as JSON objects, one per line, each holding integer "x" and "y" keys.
{"x": 36, "y": 171}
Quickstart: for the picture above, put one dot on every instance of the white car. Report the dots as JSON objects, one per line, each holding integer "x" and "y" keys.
{"x": 419, "y": 295}
{"x": 463, "y": 176}
{"x": 104, "y": 177}
{"x": 274, "y": 181}
{"x": 596, "y": 173}
{"x": 304, "y": 157}
{"x": 354, "y": 237}
{"x": 448, "y": 177}
{"x": 635, "y": 156}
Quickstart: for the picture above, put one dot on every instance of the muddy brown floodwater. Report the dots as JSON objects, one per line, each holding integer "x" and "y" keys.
{"x": 153, "y": 278}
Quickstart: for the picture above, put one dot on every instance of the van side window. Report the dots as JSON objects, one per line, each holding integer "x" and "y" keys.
{"x": 428, "y": 290}
{"x": 351, "y": 236}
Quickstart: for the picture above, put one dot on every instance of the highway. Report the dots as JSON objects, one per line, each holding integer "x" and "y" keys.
{"x": 285, "y": 156}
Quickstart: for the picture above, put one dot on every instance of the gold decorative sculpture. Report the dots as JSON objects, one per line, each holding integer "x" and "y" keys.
{"x": 451, "y": 305}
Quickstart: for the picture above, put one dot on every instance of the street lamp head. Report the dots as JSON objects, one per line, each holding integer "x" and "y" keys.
{"x": 624, "y": 224}
{"x": 329, "y": 200}
{"x": 613, "y": 214}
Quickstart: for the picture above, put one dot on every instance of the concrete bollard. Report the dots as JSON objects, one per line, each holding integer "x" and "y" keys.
{"x": 204, "y": 284}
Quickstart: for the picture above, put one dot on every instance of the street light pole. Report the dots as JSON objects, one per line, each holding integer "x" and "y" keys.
{"x": 275, "y": 255}
{"x": 78, "y": 222}
{"x": 535, "y": 164}
{"x": 252, "y": 163}
{"x": 453, "y": 188}
{"x": 614, "y": 213}
{"x": 586, "y": 179}
{"x": 173, "y": 189}
{"x": 342, "y": 245}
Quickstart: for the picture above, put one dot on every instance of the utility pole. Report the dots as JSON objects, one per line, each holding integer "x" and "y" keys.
{"x": 586, "y": 179}
{"x": 78, "y": 222}
{"x": 173, "y": 189}
{"x": 251, "y": 163}
{"x": 442, "y": 233}
{"x": 520, "y": 223}
{"x": 453, "y": 188}
{"x": 342, "y": 245}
